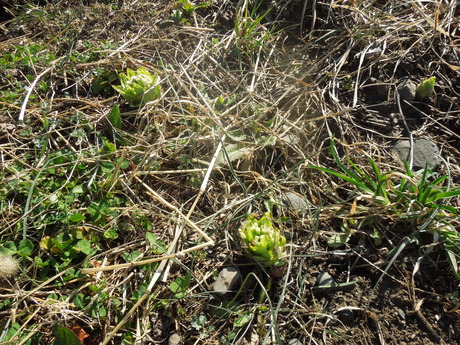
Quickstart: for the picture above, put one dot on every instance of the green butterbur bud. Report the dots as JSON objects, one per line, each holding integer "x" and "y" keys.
{"x": 139, "y": 87}
{"x": 425, "y": 89}
{"x": 263, "y": 240}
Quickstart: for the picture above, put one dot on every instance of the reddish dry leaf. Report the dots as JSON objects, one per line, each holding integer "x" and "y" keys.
{"x": 80, "y": 333}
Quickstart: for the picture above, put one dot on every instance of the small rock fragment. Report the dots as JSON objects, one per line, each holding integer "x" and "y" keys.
{"x": 295, "y": 341}
{"x": 290, "y": 139}
{"x": 325, "y": 280}
{"x": 346, "y": 316}
{"x": 425, "y": 152}
{"x": 295, "y": 202}
{"x": 407, "y": 90}
{"x": 228, "y": 280}
{"x": 174, "y": 339}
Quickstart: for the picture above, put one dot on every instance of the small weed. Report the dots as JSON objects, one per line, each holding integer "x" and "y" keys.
{"x": 184, "y": 9}
{"x": 26, "y": 57}
{"x": 425, "y": 89}
{"x": 250, "y": 33}
{"x": 180, "y": 286}
{"x": 409, "y": 202}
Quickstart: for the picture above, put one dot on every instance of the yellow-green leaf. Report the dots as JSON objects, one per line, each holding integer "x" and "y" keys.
{"x": 425, "y": 89}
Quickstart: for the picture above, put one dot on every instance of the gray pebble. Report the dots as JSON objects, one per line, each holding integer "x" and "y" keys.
{"x": 325, "y": 280}
{"x": 424, "y": 152}
{"x": 407, "y": 90}
{"x": 295, "y": 202}
{"x": 346, "y": 316}
{"x": 227, "y": 281}
{"x": 174, "y": 339}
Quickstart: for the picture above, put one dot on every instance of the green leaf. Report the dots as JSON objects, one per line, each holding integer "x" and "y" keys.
{"x": 350, "y": 173}
{"x": 79, "y": 301}
{"x": 77, "y": 217}
{"x": 263, "y": 240}
{"x": 26, "y": 247}
{"x": 425, "y": 89}
{"x": 198, "y": 322}
{"x": 15, "y": 327}
{"x": 107, "y": 166}
{"x": 446, "y": 195}
{"x": 338, "y": 240}
{"x": 131, "y": 256}
{"x": 180, "y": 285}
{"x": 65, "y": 336}
{"x": 376, "y": 237}
{"x": 107, "y": 146}
{"x": 453, "y": 262}
{"x": 237, "y": 135}
{"x": 356, "y": 182}
{"x": 85, "y": 246}
{"x": 158, "y": 247}
{"x": 124, "y": 163}
{"x": 114, "y": 117}
{"x": 127, "y": 338}
{"x": 8, "y": 248}
{"x": 110, "y": 234}
{"x": 139, "y": 87}
{"x": 243, "y": 319}
{"x": 78, "y": 189}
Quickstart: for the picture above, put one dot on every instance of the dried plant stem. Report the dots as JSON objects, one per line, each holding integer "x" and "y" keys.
{"x": 165, "y": 259}
{"x": 200, "y": 193}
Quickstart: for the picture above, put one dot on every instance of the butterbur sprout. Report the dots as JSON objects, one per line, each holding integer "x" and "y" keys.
{"x": 263, "y": 241}
{"x": 425, "y": 89}
{"x": 139, "y": 87}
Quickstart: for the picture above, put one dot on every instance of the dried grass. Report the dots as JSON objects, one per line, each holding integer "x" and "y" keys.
{"x": 299, "y": 89}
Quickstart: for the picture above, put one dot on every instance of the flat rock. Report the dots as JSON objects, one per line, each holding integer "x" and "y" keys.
{"x": 295, "y": 202}
{"x": 346, "y": 316}
{"x": 325, "y": 280}
{"x": 174, "y": 339}
{"x": 407, "y": 90}
{"x": 425, "y": 153}
{"x": 294, "y": 341}
{"x": 227, "y": 281}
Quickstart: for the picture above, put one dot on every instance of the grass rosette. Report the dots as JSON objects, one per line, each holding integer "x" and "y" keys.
{"x": 139, "y": 87}
{"x": 263, "y": 240}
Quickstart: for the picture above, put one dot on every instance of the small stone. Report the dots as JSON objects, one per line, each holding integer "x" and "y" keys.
{"x": 325, "y": 280}
{"x": 295, "y": 202}
{"x": 174, "y": 339}
{"x": 425, "y": 152}
{"x": 407, "y": 90}
{"x": 346, "y": 316}
{"x": 228, "y": 280}
{"x": 294, "y": 341}
{"x": 290, "y": 139}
